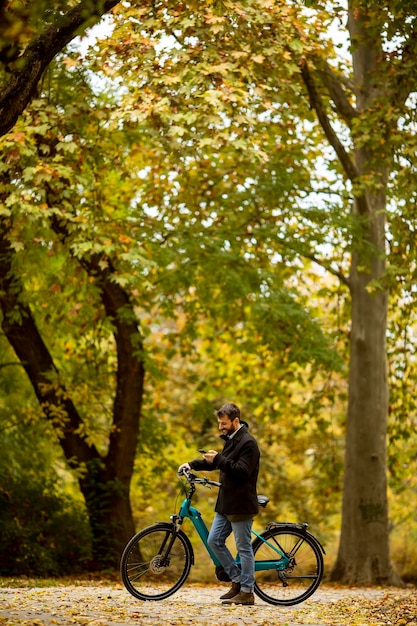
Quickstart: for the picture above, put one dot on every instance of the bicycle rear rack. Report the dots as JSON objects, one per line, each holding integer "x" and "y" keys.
{"x": 300, "y": 526}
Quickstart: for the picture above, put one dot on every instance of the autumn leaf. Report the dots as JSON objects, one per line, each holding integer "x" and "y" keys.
{"x": 87, "y": 605}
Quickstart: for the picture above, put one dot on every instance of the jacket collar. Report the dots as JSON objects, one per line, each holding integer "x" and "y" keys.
{"x": 238, "y": 433}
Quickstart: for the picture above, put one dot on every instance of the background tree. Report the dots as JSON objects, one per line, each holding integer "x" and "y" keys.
{"x": 371, "y": 101}
{"x": 32, "y": 37}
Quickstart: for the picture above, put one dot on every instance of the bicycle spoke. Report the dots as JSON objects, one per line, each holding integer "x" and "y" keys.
{"x": 293, "y": 579}
{"x": 150, "y": 569}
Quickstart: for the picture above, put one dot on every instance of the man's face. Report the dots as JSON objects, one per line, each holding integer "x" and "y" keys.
{"x": 226, "y": 425}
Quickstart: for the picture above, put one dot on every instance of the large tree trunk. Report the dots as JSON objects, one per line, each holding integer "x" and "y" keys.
{"x": 363, "y": 556}
{"x": 109, "y": 512}
{"x": 104, "y": 479}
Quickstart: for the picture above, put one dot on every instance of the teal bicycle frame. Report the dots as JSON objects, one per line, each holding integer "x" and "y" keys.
{"x": 189, "y": 512}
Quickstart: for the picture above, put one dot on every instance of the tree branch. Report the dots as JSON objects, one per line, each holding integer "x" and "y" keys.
{"x": 39, "y": 53}
{"x": 338, "y": 94}
{"x": 329, "y": 268}
{"x": 403, "y": 86}
{"x": 318, "y": 106}
{"x": 326, "y": 266}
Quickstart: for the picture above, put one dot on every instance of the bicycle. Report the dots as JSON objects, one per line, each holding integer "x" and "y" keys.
{"x": 157, "y": 560}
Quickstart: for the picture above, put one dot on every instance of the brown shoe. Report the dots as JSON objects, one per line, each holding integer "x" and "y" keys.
{"x": 233, "y": 591}
{"x": 241, "y": 598}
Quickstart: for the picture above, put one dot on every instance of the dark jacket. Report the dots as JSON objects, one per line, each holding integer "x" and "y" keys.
{"x": 239, "y": 466}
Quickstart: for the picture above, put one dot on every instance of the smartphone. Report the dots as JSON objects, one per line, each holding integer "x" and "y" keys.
{"x": 202, "y": 451}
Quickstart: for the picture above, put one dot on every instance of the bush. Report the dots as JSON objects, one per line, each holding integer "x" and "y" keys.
{"x": 42, "y": 532}
{"x": 404, "y": 551}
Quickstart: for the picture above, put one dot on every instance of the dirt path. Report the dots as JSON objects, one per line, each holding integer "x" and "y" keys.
{"x": 113, "y": 606}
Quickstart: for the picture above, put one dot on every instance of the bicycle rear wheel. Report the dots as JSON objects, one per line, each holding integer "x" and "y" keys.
{"x": 156, "y": 562}
{"x": 299, "y": 580}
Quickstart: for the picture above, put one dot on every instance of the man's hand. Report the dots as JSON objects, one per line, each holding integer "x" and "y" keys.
{"x": 209, "y": 456}
{"x": 183, "y": 467}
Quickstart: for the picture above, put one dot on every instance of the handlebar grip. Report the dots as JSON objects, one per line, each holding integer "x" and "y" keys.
{"x": 193, "y": 478}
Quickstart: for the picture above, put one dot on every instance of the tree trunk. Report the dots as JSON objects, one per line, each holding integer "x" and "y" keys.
{"x": 363, "y": 556}
{"x": 109, "y": 512}
{"x": 104, "y": 480}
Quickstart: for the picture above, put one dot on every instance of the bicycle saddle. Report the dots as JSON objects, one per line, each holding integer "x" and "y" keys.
{"x": 263, "y": 501}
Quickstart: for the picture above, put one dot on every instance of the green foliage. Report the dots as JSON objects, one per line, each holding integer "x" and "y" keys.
{"x": 43, "y": 527}
{"x": 404, "y": 552}
{"x": 43, "y": 532}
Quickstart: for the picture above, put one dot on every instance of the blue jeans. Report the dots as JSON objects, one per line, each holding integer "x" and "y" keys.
{"x": 219, "y": 532}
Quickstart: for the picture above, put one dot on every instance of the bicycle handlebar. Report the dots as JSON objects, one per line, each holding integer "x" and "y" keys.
{"x": 192, "y": 478}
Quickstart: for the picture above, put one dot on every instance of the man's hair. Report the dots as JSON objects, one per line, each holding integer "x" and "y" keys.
{"x": 231, "y": 410}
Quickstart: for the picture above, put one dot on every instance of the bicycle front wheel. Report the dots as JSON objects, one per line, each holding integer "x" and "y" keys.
{"x": 294, "y": 583}
{"x": 156, "y": 562}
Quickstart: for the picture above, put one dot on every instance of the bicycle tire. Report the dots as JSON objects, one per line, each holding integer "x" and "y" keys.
{"x": 149, "y": 573}
{"x": 304, "y": 573}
